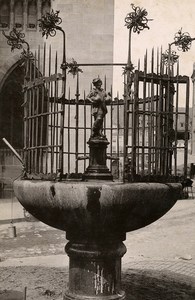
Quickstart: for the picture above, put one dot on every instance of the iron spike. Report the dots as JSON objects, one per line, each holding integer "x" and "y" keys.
{"x": 39, "y": 60}
{"x": 177, "y": 67}
{"x": 161, "y": 62}
{"x": 56, "y": 63}
{"x": 44, "y": 58}
{"x": 118, "y": 95}
{"x": 138, "y": 65}
{"x": 157, "y": 61}
{"x": 152, "y": 61}
{"x": 35, "y": 66}
{"x": 49, "y": 60}
{"x": 145, "y": 62}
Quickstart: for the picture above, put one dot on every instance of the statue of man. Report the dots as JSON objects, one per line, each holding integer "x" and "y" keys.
{"x": 98, "y": 97}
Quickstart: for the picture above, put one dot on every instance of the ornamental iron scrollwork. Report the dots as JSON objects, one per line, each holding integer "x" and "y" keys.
{"x": 16, "y": 40}
{"x": 170, "y": 57}
{"x": 183, "y": 40}
{"x": 49, "y": 23}
{"x": 73, "y": 68}
{"x": 137, "y": 20}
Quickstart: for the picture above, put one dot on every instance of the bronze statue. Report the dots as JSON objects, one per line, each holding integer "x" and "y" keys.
{"x": 98, "y": 97}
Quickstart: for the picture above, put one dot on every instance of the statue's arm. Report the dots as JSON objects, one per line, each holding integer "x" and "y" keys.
{"x": 90, "y": 96}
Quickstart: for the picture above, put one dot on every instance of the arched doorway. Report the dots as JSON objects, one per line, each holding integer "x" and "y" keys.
{"x": 11, "y": 128}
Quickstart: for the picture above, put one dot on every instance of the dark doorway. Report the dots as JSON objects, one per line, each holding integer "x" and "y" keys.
{"x": 11, "y": 110}
{"x": 11, "y": 128}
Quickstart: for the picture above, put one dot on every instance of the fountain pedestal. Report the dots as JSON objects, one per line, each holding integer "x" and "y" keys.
{"x": 95, "y": 270}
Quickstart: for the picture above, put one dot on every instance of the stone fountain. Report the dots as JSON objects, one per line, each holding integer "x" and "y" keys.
{"x": 96, "y": 211}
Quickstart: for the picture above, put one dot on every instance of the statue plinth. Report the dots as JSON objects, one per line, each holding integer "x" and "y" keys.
{"x": 97, "y": 168}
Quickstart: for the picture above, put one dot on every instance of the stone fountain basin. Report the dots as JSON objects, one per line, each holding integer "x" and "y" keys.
{"x": 92, "y": 209}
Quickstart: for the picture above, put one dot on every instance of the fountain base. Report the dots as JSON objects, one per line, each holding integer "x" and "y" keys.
{"x": 95, "y": 271}
{"x": 96, "y": 216}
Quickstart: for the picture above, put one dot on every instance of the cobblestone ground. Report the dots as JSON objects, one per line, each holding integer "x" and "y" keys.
{"x": 159, "y": 264}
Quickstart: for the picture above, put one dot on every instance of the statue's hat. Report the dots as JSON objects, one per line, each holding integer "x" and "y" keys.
{"x": 96, "y": 80}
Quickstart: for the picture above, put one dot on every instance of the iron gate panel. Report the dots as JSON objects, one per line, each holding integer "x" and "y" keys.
{"x": 153, "y": 125}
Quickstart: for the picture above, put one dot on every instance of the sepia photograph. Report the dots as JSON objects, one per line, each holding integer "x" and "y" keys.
{"x": 97, "y": 150}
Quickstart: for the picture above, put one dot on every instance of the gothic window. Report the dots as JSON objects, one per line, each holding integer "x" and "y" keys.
{"x": 18, "y": 13}
{"x": 46, "y": 5}
{"x": 32, "y": 13}
{"x": 4, "y": 13}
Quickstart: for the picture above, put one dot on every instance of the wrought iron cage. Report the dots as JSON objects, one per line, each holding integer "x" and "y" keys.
{"x": 141, "y": 125}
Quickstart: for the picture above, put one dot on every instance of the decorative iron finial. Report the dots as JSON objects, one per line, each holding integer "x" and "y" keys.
{"x": 137, "y": 19}
{"x": 170, "y": 57}
{"x": 49, "y": 23}
{"x": 16, "y": 40}
{"x": 183, "y": 40}
{"x": 73, "y": 68}
{"x": 128, "y": 68}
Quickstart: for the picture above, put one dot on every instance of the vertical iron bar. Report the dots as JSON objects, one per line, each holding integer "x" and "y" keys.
{"x": 125, "y": 141}
{"x": 42, "y": 88}
{"x": 152, "y": 113}
{"x": 134, "y": 127}
{"x": 161, "y": 138}
{"x": 149, "y": 131}
{"x": 118, "y": 131}
{"x": 176, "y": 121}
{"x": 91, "y": 119}
{"x": 57, "y": 121}
{"x": 49, "y": 128}
{"x": 33, "y": 120}
{"x": 61, "y": 145}
{"x": 36, "y": 113}
{"x": 30, "y": 122}
{"x": 26, "y": 115}
{"x": 47, "y": 87}
{"x": 157, "y": 117}
{"x": 85, "y": 138}
{"x": 186, "y": 128}
{"x": 68, "y": 112}
{"x": 105, "y": 117}
{"x": 144, "y": 118}
{"x": 55, "y": 127}
{"x": 168, "y": 119}
{"x": 127, "y": 96}
{"x": 52, "y": 127}
{"x": 77, "y": 124}
{"x": 111, "y": 128}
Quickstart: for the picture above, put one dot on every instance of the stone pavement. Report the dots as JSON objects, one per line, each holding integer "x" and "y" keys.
{"x": 166, "y": 245}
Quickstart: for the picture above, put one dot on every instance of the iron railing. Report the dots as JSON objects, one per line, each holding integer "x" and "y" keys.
{"x": 141, "y": 126}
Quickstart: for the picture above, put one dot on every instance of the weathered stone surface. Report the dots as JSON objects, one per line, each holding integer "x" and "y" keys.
{"x": 89, "y": 209}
